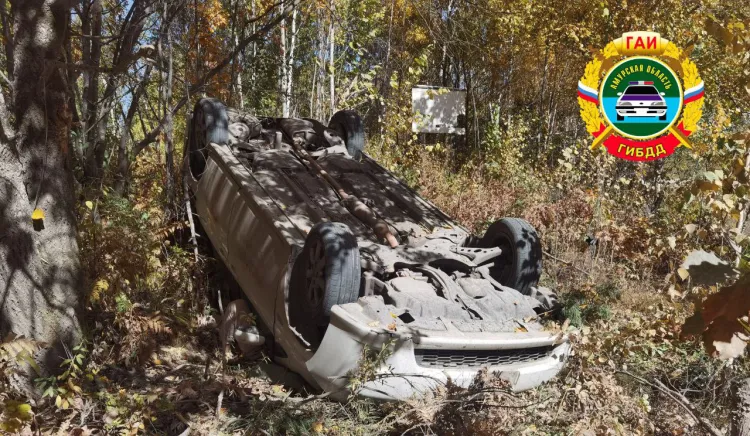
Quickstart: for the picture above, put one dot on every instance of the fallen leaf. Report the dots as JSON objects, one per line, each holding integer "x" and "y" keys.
{"x": 317, "y": 427}
{"x": 683, "y": 273}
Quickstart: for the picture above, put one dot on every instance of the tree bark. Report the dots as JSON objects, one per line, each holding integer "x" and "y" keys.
{"x": 331, "y": 60}
{"x": 168, "y": 124}
{"x": 287, "y": 64}
{"x": 94, "y": 135}
{"x": 740, "y": 425}
{"x": 40, "y": 272}
{"x": 7, "y": 38}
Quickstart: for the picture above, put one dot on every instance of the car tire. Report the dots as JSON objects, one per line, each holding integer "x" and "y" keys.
{"x": 210, "y": 124}
{"x": 326, "y": 273}
{"x": 663, "y": 117}
{"x": 520, "y": 264}
{"x": 349, "y": 125}
{"x": 620, "y": 117}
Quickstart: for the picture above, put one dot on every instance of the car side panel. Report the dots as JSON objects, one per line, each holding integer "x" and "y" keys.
{"x": 257, "y": 257}
{"x": 216, "y": 195}
{"x": 251, "y": 233}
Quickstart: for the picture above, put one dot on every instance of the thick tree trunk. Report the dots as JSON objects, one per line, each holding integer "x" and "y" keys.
{"x": 40, "y": 273}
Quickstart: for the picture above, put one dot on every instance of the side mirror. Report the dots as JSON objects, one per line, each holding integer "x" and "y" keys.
{"x": 619, "y": 94}
{"x": 662, "y": 94}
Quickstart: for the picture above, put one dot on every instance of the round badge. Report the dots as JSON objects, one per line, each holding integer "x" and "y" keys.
{"x": 641, "y": 97}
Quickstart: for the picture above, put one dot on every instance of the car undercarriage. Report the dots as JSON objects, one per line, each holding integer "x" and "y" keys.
{"x": 338, "y": 256}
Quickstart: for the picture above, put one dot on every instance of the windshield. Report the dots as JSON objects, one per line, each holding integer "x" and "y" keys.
{"x": 641, "y": 90}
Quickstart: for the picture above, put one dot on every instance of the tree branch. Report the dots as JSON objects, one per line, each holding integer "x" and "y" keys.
{"x": 679, "y": 399}
{"x": 197, "y": 86}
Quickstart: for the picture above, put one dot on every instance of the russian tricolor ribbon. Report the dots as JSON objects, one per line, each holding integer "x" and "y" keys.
{"x": 588, "y": 94}
{"x": 691, "y": 94}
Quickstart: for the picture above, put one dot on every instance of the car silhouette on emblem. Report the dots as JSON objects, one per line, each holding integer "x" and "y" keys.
{"x": 641, "y": 99}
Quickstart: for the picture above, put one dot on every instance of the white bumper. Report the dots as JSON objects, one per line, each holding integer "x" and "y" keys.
{"x": 401, "y": 377}
{"x": 641, "y": 112}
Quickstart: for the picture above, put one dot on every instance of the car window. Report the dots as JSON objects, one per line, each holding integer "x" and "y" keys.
{"x": 641, "y": 90}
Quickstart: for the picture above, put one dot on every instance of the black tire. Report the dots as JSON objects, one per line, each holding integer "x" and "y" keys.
{"x": 310, "y": 305}
{"x": 520, "y": 264}
{"x": 349, "y": 124}
{"x": 663, "y": 117}
{"x": 620, "y": 118}
{"x": 210, "y": 123}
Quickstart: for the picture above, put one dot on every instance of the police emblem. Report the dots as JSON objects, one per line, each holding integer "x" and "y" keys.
{"x": 641, "y": 97}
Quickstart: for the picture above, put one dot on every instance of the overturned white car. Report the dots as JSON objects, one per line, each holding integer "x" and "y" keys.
{"x": 336, "y": 254}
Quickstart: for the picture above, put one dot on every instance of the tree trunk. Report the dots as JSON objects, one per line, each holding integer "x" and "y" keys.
{"x": 94, "y": 136}
{"x": 331, "y": 60}
{"x": 289, "y": 66}
{"x": 283, "y": 73}
{"x": 40, "y": 272}
{"x": 169, "y": 154}
{"x": 740, "y": 425}
{"x": 7, "y": 39}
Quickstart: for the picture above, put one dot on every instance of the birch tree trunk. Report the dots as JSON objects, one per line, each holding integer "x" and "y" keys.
{"x": 168, "y": 124}
{"x": 40, "y": 273}
{"x": 289, "y": 67}
{"x": 283, "y": 73}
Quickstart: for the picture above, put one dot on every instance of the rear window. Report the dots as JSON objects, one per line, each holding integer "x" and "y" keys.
{"x": 641, "y": 90}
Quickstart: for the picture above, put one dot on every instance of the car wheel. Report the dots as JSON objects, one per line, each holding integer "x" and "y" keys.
{"x": 663, "y": 117}
{"x": 210, "y": 124}
{"x": 620, "y": 117}
{"x": 349, "y": 125}
{"x": 520, "y": 264}
{"x": 326, "y": 273}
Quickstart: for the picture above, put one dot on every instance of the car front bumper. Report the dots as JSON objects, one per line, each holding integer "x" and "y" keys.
{"x": 641, "y": 111}
{"x": 401, "y": 375}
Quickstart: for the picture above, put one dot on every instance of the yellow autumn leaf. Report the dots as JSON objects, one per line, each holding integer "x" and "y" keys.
{"x": 317, "y": 427}
{"x": 38, "y": 214}
{"x": 683, "y": 273}
{"x": 90, "y": 205}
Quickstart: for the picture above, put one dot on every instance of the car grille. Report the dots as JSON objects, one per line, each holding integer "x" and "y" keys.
{"x": 478, "y": 358}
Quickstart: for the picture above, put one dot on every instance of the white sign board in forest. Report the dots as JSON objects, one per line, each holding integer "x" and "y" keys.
{"x": 438, "y": 110}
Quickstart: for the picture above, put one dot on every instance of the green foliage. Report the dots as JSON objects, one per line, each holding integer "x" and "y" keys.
{"x": 65, "y": 388}
{"x": 15, "y": 351}
{"x": 590, "y": 304}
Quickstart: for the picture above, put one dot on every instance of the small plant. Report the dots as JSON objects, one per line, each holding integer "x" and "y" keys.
{"x": 64, "y": 388}
{"x": 15, "y": 350}
{"x": 371, "y": 361}
{"x": 589, "y": 304}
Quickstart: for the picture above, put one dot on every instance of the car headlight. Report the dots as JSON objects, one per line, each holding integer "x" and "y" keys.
{"x": 626, "y": 103}
{"x": 658, "y": 103}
